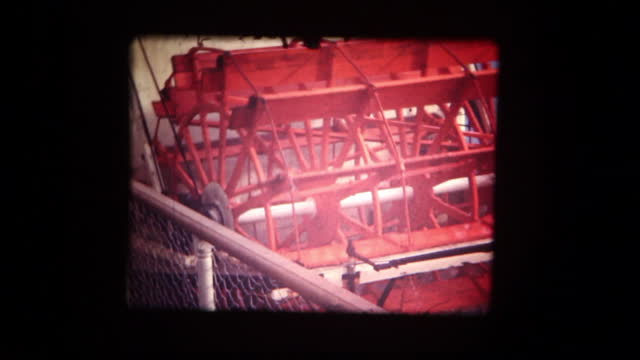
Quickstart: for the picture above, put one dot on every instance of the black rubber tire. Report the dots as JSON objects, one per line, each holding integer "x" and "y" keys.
{"x": 215, "y": 204}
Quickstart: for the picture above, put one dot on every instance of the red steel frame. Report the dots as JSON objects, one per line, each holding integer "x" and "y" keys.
{"x": 270, "y": 96}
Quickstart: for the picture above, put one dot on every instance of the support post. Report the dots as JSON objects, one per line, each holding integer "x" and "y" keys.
{"x": 205, "y": 274}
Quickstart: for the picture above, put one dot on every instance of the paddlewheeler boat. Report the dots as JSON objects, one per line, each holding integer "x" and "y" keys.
{"x": 370, "y": 162}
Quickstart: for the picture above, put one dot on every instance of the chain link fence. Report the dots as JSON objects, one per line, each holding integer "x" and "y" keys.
{"x": 163, "y": 271}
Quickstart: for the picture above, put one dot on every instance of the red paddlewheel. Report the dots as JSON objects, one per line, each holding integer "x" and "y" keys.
{"x": 386, "y": 144}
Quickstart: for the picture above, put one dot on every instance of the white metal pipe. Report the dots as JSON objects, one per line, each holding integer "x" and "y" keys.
{"x": 308, "y": 207}
{"x": 368, "y": 274}
{"x": 278, "y": 211}
{"x": 204, "y": 271}
{"x": 334, "y": 274}
{"x": 366, "y": 198}
{"x": 463, "y": 184}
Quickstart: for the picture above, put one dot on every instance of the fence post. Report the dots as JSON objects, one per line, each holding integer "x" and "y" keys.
{"x": 204, "y": 273}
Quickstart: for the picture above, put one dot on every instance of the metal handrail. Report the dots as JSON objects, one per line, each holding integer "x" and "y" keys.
{"x": 290, "y": 274}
